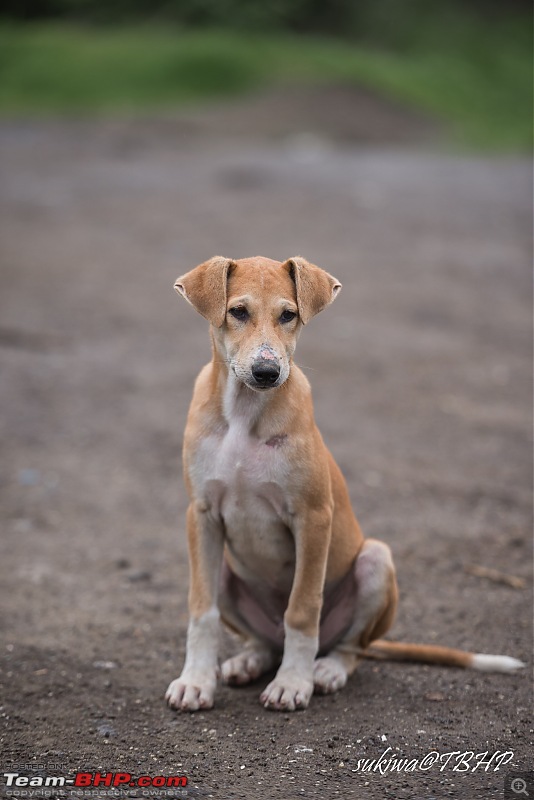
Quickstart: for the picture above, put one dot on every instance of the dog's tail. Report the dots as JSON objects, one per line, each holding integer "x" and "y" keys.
{"x": 446, "y": 656}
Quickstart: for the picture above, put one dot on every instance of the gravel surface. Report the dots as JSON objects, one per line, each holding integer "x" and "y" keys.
{"x": 422, "y": 382}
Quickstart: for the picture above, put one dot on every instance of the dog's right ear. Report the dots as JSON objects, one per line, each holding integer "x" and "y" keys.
{"x": 205, "y": 288}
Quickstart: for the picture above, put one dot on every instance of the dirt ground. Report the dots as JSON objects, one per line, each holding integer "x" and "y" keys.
{"x": 422, "y": 382}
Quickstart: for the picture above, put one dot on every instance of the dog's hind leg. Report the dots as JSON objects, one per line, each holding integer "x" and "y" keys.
{"x": 258, "y": 655}
{"x": 375, "y": 602}
{"x": 256, "y": 658}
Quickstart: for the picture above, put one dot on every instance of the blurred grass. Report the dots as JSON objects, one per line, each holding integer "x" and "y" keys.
{"x": 476, "y": 77}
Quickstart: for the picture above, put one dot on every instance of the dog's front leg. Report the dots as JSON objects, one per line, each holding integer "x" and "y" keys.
{"x": 195, "y": 688}
{"x": 292, "y": 687}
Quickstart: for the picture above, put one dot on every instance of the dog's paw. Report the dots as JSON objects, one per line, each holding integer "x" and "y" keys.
{"x": 191, "y": 692}
{"x": 287, "y": 692}
{"x": 247, "y": 666}
{"x": 329, "y": 675}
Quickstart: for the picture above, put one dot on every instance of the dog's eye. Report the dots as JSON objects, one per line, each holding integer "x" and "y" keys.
{"x": 287, "y": 315}
{"x": 239, "y": 312}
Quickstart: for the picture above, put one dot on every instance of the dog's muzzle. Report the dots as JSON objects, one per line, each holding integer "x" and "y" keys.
{"x": 265, "y": 373}
{"x": 265, "y": 368}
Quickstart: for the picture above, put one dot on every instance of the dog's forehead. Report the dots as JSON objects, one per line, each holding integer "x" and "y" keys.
{"x": 260, "y": 275}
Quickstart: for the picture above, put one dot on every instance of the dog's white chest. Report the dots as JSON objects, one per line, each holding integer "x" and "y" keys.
{"x": 241, "y": 480}
{"x": 237, "y": 471}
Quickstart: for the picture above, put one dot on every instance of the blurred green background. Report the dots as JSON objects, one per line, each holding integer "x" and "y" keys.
{"x": 468, "y": 64}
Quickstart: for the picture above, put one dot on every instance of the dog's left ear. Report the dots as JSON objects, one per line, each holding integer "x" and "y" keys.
{"x": 205, "y": 288}
{"x": 316, "y": 288}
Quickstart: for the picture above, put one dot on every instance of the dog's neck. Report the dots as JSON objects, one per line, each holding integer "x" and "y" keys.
{"x": 242, "y": 407}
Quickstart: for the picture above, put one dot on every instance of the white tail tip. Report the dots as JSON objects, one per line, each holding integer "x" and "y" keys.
{"x": 487, "y": 663}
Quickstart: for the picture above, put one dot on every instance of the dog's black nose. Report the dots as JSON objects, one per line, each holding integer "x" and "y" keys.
{"x": 265, "y": 373}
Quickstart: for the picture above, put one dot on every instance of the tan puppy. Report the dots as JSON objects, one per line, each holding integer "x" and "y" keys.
{"x": 274, "y": 547}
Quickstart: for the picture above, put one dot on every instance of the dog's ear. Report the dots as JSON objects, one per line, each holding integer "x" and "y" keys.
{"x": 205, "y": 288}
{"x": 316, "y": 289}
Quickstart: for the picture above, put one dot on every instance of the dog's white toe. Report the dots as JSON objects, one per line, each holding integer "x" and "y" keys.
{"x": 287, "y": 692}
{"x": 191, "y": 693}
{"x": 329, "y": 675}
{"x": 247, "y": 666}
